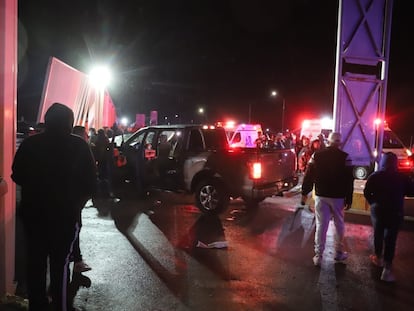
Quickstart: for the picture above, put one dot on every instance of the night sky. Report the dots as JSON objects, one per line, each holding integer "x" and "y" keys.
{"x": 177, "y": 56}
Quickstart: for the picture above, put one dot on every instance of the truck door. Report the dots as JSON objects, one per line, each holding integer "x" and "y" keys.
{"x": 148, "y": 173}
{"x": 167, "y": 161}
{"x": 140, "y": 154}
{"x": 132, "y": 149}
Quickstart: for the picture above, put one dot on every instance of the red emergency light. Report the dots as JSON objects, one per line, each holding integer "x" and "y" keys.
{"x": 405, "y": 164}
{"x": 377, "y": 121}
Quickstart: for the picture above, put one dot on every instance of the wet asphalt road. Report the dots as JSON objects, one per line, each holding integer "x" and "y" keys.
{"x": 144, "y": 256}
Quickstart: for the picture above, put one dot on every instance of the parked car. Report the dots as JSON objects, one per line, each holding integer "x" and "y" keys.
{"x": 197, "y": 159}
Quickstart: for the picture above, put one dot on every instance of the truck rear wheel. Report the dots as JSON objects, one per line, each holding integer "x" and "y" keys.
{"x": 211, "y": 196}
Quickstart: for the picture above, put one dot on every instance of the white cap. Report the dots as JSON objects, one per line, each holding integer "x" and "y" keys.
{"x": 334, "y": 138}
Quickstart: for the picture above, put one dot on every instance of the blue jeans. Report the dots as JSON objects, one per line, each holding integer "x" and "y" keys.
{"x": 386, "y": 227}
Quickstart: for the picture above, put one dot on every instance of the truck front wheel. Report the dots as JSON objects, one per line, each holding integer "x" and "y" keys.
{"x": 211, "y": 196}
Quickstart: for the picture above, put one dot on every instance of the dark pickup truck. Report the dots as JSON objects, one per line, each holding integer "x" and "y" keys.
{"x": 197, "y": 159}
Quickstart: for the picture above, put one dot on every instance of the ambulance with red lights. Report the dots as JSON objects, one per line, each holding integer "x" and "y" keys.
{"x": 242, "y": 135}
{"x": 311, "y": 128}
{"x": 391, "y": 143}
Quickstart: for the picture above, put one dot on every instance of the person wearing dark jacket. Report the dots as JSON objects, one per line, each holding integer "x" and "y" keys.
{"x": 57, "y": 173}
{"x": 79, "y": 265}
{"x": 104, "y": 156}
{"x": 385, "y": 190}
{"x": 330, "y": 172}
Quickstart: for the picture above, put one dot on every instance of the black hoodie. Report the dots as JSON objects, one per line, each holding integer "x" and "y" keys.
{"x": 330, "y": 170}
{"x": 386, "y": 188}
{"x": 55, "y": 170}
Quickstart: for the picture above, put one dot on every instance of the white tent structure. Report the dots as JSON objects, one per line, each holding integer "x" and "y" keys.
{"x": 91, "y": 103}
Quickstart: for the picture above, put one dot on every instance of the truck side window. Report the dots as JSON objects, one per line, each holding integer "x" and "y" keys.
{"x": 164, "y": 144}
{"x": 391, "y": 141}
{"x": 149, "y": 139}
{"x": 215, "y": 139}
{"x": 196, "y": 141}
{"x": 137, "y": 140}
{"x": 176, "y": 144}
{"x": 149, "y": 152}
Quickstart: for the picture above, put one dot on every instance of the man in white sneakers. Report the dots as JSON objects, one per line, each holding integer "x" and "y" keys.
{"x": 330, "y": 172}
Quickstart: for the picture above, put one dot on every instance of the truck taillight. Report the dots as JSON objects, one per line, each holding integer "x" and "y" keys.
{"x": 406, "y": 163}
{"x": 256, "y": 170}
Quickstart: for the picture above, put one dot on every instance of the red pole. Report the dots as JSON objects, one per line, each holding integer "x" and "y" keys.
{"x": 8, "y": 117}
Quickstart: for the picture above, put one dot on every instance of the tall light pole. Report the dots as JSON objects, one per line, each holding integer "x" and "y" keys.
{"x": 274, "y": 94}
{"x": 250, "y": 113}
{"x": 283, "y": 114}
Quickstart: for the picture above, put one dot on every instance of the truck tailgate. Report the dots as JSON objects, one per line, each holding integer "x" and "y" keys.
{"x": 277, "y": 165}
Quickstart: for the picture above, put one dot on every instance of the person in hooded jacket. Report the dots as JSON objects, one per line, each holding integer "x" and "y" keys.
{"x": 104, "y": 156}
{"x": 385, "y": 190}
{"x": 57, "y": 173}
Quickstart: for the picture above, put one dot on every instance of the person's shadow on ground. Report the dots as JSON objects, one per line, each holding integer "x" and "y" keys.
{"x": 78, "y": 280}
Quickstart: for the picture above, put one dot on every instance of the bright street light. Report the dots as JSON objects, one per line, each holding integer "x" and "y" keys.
{"x": 203, "y": 114}
{"x": 124, "y": 121}
{"x": 274, "y": 94}
{"x": 100, "y": 76}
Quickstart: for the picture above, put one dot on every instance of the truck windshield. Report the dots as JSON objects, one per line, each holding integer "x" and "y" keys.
{"x": 391, "y": 141}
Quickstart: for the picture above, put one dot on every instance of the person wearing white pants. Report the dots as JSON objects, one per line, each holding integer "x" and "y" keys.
{"x": 329, "y": 171}
{"x": 327, "y": 209}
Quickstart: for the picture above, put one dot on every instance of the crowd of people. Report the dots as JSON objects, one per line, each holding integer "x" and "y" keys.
{"x": 304, "y": 146}
{"x": 275, "y": 141}
{"x": 62, "y": 167}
